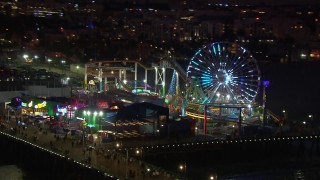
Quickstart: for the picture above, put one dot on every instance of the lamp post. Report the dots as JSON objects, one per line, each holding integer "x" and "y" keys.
{"x": 62, "y": 65}
{"x": 183, "y": 168}
{"x": 36, "y": 57}
{"x": 127, "y": 157}
{"x": 265, "y": 85}
{"x": 145, "y": 84}
{"x": 119, "y": 146}
{"x": 70, "y": 113}
{"x": 139, "y": 153}
{"x": 284, "y": 115}
{"x": 49, "y": 62}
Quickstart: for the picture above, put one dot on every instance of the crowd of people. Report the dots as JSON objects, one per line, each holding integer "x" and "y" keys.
{"x": 96, "y": 155}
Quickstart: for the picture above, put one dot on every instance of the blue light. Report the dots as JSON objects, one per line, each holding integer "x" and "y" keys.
{"x": 214, "y": 50}
{"x": 265, "y": 83}
{"x": 195, "y": 63}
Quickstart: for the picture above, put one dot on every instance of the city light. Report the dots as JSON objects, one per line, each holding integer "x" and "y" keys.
{"x": 222, "y": 97}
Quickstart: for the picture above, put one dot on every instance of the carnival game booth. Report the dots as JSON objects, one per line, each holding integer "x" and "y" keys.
{"x": 50, "y": 110}
{"x": 33, "y": 106}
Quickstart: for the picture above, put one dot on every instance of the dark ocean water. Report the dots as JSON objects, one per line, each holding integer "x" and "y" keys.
{"x": 294, "y": 87}
{"x": 17, "y": 171}
{"x": 280, "y": 174}
{"x": 11, "y": 172}
{"x": 301, "y": 171}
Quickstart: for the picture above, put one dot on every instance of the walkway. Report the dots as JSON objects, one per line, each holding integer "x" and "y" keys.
{"x": 100, "y": 157}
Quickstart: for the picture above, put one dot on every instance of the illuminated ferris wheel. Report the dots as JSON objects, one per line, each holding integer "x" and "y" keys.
{"x": 225, "y": 72}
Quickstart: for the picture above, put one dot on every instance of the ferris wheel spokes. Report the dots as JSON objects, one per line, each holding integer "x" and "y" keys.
{"x": 226, "y": 72}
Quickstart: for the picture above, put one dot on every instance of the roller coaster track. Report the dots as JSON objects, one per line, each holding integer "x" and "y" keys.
{"x": 276, "y": 118}
{"x": 182, "y": 73}
{"x": 96, "y": 63}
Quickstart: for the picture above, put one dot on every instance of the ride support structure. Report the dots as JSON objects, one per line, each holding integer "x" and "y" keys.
{"x": 116, "y": 70}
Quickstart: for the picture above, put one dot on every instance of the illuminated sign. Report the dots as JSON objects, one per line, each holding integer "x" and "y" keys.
{"x": 41, "y": 105}
{"x": 23, "y": 104}
{"x": 103, "y": 104}
{"x": 30, "y": 104}
{"x": 62, "y": 110}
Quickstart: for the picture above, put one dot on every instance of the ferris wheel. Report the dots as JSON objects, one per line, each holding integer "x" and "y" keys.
{"x": 225, "y": 72}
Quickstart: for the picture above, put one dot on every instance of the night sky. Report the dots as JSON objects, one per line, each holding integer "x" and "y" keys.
{"x": 269, "y": 2}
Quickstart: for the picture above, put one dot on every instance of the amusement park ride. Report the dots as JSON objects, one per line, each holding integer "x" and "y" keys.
{"x": 221, "y": 83}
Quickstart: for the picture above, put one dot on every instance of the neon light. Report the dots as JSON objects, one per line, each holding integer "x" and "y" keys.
{"x": 62, "y": 110}
{"x": 41, "y": 105}
{"x": 30, "y": 104}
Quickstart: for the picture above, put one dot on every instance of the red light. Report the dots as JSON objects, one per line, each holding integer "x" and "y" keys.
{"x": 257, "y": 18}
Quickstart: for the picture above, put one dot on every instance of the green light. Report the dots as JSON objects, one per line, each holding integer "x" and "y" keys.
{"x": 91, "y": 125}
{"x": 84, "y": 112}
{"x": 100, "y": 113}
{"x": 166, "y": 101}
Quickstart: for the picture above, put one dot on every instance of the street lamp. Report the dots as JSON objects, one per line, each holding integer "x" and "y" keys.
{"x": 36, "y": 56}
{"x": 139, "y": 152}
{"x": 62, "y": 64}
{"x": 127, "y": 158}
{"x": 119, "y": 146}
{"x": 77, "y": 67}
{"x": 265, "y": 84}
{"x": 49, "y": 62}
{"x": 183, "y": 168}
{"x": 284, "y": 114}
{"x": 145, "y": 84}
